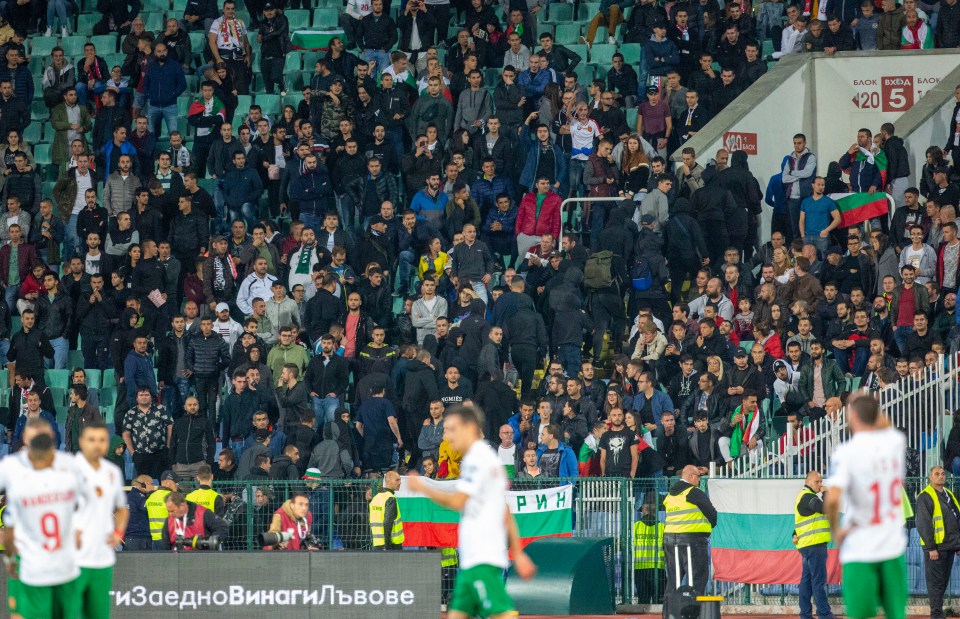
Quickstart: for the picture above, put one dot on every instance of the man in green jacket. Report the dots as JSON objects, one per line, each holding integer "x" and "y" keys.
{"x": 71, "y": 121}
{"x": 821, "y": 379}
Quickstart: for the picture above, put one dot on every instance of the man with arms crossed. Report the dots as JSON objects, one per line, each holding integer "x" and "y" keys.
{"x": 868, "y": 472}
{"x": 486, "y": 524}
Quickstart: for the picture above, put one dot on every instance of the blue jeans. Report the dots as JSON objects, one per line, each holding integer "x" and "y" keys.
{"x": 821, "y": 243}
{"x": 407, "y": 259}
{"x": 175, "y": 394}
{"x": 576, "y": 177}
{"x": 382, "y": 58}
{"x": 10, "y": 296}
{"x": 4, "y": 349}
{"x": 60, "y": 349}
{"x": 955, "y": 465}
{"x": 900, "y": 337}
{"x": 325, "y": 410}
{"x": 481, "y": 289}
{"x": 394, "y": 137}
{"x": 237, "y": 447}
{"x": 860, "y": 357}
{"x": 813, "y": 582}
{"x": 248, "y": 212}
{"x": 569, "y": 358}
{"x": 70, "y": 239}
{"x": 312, "y": 221}
{"x": 169, "y": 114}
{"x": 60, "y": 9}
{"x": 96, "y": 354}
{"x": 84, "y": 90}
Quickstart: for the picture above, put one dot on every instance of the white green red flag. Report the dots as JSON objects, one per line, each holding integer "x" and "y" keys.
{"x": 314, "y": 39}
{"x": 753, "y": 540}
{"x": 856, "y": 208}
{"x": 539, "y": 513}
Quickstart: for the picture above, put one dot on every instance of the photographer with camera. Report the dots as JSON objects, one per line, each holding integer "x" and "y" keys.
{"x": 191, "y": 526}
{"x": 291, "y": 526}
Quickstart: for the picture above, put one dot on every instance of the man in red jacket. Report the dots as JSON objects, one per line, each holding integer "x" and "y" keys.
{"x": 539, "y": 213}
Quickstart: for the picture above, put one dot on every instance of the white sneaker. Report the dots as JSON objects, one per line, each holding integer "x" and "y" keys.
{"x": 48, "y": 32}
{"x": 584, "y": 40}
{"x": 64, "y": 31}
{"x": 283, "y": 93}
{"x": 611, "y": 40}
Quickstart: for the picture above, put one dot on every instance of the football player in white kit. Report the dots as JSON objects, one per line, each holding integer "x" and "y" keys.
{"x": 486, "y": 524}
{"x": 102, "y": 521}
{"x": 44, "y": 492}
{"x": 866, "y": 483}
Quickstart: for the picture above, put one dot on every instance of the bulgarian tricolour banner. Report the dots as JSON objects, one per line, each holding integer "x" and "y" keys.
{"x": 753, "y": 540}
{"x": 539, "y": 513}
{"x": 858, "y": 207}
{"x": 314, "y": 39}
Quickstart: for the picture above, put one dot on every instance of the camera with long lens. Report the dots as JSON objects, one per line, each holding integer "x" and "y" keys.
{"x": 271, "y": 538}
{"x": 197, "y": 542}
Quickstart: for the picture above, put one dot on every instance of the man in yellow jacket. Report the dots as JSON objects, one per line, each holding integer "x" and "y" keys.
{"x": 386, "y": 525}
{"x": 690, "y": 520}
{"x": 938, "y": 524}
{"x": 811, "y": 534}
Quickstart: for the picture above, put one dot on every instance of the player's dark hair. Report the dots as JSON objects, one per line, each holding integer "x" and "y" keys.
{"x": 866, "y": 407}
{"x": 41, "y": 443}
{"x": 468, "y": 414}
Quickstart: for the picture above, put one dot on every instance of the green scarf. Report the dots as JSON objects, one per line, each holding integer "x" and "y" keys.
{"x": 736, "y": 441}
{"x": 303, "y": 265}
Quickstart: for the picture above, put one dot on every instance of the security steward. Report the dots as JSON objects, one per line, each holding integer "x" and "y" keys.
{"x": 205, "y": 495}
{"x": 938, "y": 524}
{"x": 811, "y": 534}
{"x": 690, "y": 520}
{"x": 3, "y": 508}
{"x": 385, "y": 515}
{"x": 156, "y": 505}
{"x": 648, "y": 563}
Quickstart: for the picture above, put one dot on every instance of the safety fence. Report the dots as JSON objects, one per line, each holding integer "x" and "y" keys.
{"x": 602, "y": 508}
{"x": 920, "y": 405}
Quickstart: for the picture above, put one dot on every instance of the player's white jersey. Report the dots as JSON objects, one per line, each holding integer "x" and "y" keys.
{"x": 104, "y": 490}
{"x": 869, "y": 468}
{"x": 483, "y": 530}
{"x": 42, "y": 506}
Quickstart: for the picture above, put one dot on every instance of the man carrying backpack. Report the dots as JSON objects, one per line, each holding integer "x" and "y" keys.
{"x": 604, "y": 277}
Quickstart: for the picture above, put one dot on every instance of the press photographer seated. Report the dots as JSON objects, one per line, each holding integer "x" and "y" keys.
{"x": 290, "y": 526}
{"x": 191, "y": 526}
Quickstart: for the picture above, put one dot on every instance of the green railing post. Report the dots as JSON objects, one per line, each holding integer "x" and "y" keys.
{"x": 248, "y": 512}
{"x": 330, "y": 519}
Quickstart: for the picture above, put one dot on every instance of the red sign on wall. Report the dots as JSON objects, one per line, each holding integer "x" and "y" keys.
{"x": 737, "y": 140}
{"x": 896, "y": 93}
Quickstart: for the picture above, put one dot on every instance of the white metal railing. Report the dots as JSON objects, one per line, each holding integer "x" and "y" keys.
{"x": 921, "y": 406}
{"x": 567, "y": 217}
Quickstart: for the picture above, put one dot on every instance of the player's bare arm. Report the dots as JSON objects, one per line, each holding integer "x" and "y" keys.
{"x": 831, "y": 507}
{"x": 450, "y": 500}
{"x": 525, "y": 567}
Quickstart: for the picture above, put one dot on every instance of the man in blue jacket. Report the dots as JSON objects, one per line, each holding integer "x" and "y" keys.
{"x": 313, "y": 191}
{"x": 138, "y": 371}
{"x": 242, "y": 188}
{"x": 650, "y": 403}
{"x": 860, "y": 161}
{"x": 163, "y": 83}
{"x": 555, "y": 458}
{"x": 532, "y": 83}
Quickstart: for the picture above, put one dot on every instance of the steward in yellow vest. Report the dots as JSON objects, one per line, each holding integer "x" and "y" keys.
{"x": 690, "y": 519}
{"x": 386, "y": 525}
{"x": 649, "y": 577}
{"x": 156, "y": 505}
{"x": 205, "y": 495}
{"x": 938, "y": 525}
{"x": 811, "y": 534}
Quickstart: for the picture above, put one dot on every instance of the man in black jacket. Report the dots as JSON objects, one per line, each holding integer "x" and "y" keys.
{"x": 324, "y": 309}
{"x": 54, "y": 313}
{"x": 274, "y": 39}
{"x": 171, "y": 367}
{"x": 94, "y": 313}
{"x": 207, "y": 355}
{"x": 898, "y": 163}
{"x": 28, "y": 348}
{"x": 192, "y": 442}
{"x": 327, "y": 378}
{"x": 14, "y": 113}
{"x": 559, "y": 58}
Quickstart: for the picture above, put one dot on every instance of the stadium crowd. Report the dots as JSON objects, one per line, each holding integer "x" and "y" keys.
{"x": 312, "y": 285}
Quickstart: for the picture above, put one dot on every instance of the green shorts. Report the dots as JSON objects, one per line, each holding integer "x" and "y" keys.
{"x": 869, "y": 585}
{"x": 480, "y": 591}
{"x": 54, "y": 602}
{"x": 93, "y": 588}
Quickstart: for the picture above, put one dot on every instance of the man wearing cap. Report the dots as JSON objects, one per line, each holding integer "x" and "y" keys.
{"x": 944, "y": 192}
{"x": 274, "y": 40}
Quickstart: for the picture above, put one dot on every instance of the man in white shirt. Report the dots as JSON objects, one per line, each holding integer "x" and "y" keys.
{"x": 791, "y": 40}
{"x": 257, "y": 285}
{"x": 427, "y": 309}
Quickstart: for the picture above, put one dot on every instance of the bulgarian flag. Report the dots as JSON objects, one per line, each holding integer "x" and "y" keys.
{"x": 198, "y": 107}
{"x": 858, "y": 207}
{"x": 753, "y": 540}
{"x": 314, "y": 39}
{"x": 539, "y": 513}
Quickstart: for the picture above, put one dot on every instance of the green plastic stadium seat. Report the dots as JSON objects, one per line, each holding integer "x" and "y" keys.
{"x": 73, "y": 45}
{"x": 197, "y": 41}
{"x": 298, "y": 18}
{"x": 42, "y": 46}
{"x": 183, "y": 104}
{"x": 270, "y": 104}
{"x": 105, "y": 43}
{"x": 632, "y": 53}
{"x": 567, "y": 34}
{"x": 156, "y": 6}
{"x": 108, "y": 397}
{"x": 179, "y": 6}
{"x": 152, "y": 21}
{"x": 326, "y": 18}
{"x": 41, "y": 152}
{"x": 86, "y": 21}
{"x": 599, "y": 71}
{"x": 4, "y": 378}
{"x": 601, "y": 54}
{"x": 57, "y": 378}
{"x": 109, "y": 378}
{"x": 113, "y": 60}
{"x": 93, "y": 378}
{"x": 75, "y": 359}
{"x": 587, "y": 10}
{"x": 561, "y": 13}
{"x": 294, "y": 97}
{"x": 632, "y": 118}
{"x": 243, "y": 104}
{"x": 292, "y": 63}
{"x": 581, "y": 50}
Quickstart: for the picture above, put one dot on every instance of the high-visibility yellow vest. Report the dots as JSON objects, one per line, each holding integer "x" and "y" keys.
{"x": 810, "y": 530}
{"x": 683, "y": 516}
{"x": 938, "y": 529}
{"x": 2, "y": 525}
{"x": 448, "y": 557}
{"x": 377, "y": 507}
{"x": 204, "y": 496}
{"x": 156, "y": 505}
{"x": 648, "y": 546}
